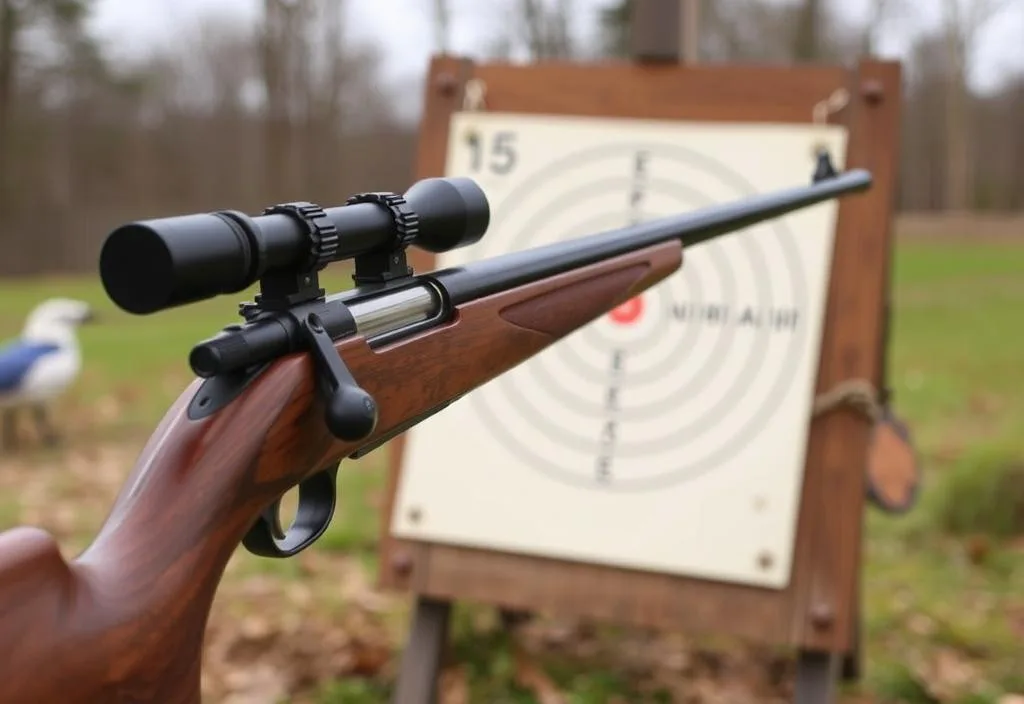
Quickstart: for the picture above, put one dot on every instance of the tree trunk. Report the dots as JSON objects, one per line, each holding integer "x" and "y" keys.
{"x": 958, "y": 134}
{"x": 275, "y": 119}
{"x": 808, "y": 28}
{"x": 9, "y": 26}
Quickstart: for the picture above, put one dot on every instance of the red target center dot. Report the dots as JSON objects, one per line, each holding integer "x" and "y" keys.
{"x": 629, "y": 312}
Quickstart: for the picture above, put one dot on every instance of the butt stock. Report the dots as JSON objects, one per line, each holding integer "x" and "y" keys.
{"x": 125, "y": 620}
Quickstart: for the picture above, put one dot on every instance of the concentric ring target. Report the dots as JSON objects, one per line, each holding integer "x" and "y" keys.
{"x": 639, "y": 400}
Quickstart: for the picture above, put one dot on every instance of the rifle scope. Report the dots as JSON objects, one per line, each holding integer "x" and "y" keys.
{"x": 151, "y": 265}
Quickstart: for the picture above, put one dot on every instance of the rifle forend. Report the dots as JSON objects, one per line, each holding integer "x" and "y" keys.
{"x": 305, "y": 382}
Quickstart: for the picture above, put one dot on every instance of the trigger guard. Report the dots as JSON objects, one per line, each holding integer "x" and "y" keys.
{"x": 317, "y": 500}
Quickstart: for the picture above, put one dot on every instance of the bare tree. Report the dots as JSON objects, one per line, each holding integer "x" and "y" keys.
{"x": 442, "y": 25}
{"x": 536, "y": 29}
{"x": 807, "y": 31}
{"x": 47, "y": 60}
{"x": 17, "y": 18}
{"x": 880, "y": 12}
{"x": 961, "y": 28}
{"x": 240, "y": 114}
{"x": 10, "y": 20}
{"x": 275, "y": 41}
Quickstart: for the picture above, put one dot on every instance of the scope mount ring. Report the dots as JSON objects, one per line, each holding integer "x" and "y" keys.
{"x": 324, "y": 239}
{"x": 283, "y": 289}
{"x": 386, "y": 265}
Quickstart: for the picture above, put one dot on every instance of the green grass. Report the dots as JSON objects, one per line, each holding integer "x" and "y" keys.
{"x": 957, "y": 342}
{"x": 139, "y": 362}
{"x": 357, "y": 691}
{"x": 957, "y": 366}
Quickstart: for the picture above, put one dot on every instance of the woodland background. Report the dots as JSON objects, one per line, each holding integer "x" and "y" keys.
{"x": 241, "y": 114}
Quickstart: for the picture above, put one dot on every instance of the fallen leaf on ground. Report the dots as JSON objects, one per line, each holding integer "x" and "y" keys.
{"x": 454, "y": 686}
{"x": 978, "y": 548}
{"x": 921, "y": 625}
{"x": 369, "y": 658}
{"x": 529, "y": 675}
{"x": 256, "y": 684}
{"x": 946, "y": 674}
{"x": 1015, "y": 619}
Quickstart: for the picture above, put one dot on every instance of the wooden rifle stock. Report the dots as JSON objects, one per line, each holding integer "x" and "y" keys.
{"x": 125, "y": 620}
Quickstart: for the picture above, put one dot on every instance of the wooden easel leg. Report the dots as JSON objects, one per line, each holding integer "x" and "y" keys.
{"x": 421, "y": 659}
{"x": 816, "y": 676}
{"x": 853, "y": 661}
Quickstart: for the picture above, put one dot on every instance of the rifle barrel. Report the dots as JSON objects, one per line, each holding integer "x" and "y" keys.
{"x": 466, "y": 283}
{"x": 381, "y": 315}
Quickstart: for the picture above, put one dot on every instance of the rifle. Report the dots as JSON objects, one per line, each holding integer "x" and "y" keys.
{"x": 281, "y": 399}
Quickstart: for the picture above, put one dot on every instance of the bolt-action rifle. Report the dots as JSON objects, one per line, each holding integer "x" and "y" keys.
{"x": 280, "y": 399}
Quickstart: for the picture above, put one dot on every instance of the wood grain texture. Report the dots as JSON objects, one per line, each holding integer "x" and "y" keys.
{"x": 816, "y": 609}
{"x": 124, "y": 622}
{"x": 832, "y": 510}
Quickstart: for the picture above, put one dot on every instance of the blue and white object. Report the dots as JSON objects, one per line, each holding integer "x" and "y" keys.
{"x": 37, "y": 367}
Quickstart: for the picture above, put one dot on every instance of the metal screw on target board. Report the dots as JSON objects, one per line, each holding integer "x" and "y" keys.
{"x": 821, "y": 616}
{"x": 415, "y": 514}
{"x": 446, "y": 84}
{"x": 872, "y": 91}
{"x": 765, "y": 560}
{"x": 401, "y": 563}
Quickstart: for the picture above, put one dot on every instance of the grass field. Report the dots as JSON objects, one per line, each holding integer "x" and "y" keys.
{"x": 944, "y": 586}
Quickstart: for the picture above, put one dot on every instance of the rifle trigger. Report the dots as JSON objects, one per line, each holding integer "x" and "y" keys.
{"x": 317, "y": 499}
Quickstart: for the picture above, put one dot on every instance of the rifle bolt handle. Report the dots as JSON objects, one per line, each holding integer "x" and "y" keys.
{"x": 350, "y": 413}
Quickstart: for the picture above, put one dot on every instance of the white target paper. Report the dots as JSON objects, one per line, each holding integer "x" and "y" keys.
{"x": 670, "y": 435}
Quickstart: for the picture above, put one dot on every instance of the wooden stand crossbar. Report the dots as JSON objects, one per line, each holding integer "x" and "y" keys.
{"x": 817, "y": 614}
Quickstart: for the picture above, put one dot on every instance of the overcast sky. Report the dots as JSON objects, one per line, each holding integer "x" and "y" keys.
{"x": 403, "y": 28}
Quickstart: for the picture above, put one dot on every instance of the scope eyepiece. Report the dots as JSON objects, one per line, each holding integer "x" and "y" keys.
{"x": 152, "y": 265}
{"x": 453, "y": 212}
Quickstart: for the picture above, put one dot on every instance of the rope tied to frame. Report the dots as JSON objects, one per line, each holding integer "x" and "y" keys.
{"x": 474, "y": 95}
{"x": 838, "y": 100}
{"x": 859, "y": 394}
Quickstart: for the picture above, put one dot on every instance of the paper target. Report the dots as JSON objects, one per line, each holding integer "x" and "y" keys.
{"x": 669, "y": 434}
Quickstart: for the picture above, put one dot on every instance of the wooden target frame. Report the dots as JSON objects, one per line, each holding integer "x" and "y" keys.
{"x": 818, "y": 612}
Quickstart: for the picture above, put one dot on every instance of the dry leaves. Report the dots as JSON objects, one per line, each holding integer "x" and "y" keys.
{"x": 271, "y": 637}
{"x": 531, "y": 676}
{"x": 453, "y": 686}
{"x": 1015, "y": 619}
{"x": 659, "y": 662}
{"x": 946, "y": 674}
